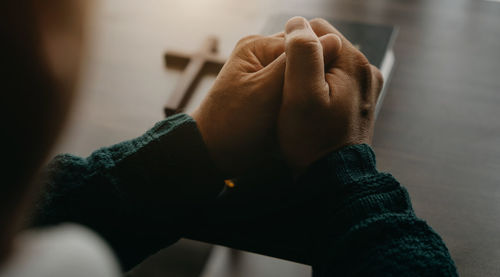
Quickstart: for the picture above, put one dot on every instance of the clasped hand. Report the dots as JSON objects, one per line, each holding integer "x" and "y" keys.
{"x": 305, "y": 92}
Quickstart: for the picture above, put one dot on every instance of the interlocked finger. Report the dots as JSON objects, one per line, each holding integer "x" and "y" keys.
{"x": 322, "y": 27}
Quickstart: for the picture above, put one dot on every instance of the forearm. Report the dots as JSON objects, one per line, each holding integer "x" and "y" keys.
{"x": 138, "y": 194}
{"x": 369, "y": 226}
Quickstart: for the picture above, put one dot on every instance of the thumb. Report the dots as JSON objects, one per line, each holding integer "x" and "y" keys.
{"x": 305, "y": 65}
{"x": 276, "y": 68}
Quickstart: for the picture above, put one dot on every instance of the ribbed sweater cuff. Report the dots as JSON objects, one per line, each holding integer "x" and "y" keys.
{"x": 342, "y": 167}
{"x": 180, "y": 142}
{"x": 352, "y": 163}
{"x": 170, "y": 167}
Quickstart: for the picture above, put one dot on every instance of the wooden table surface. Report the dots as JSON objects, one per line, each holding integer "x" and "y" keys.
{"x": 438, "y": 131}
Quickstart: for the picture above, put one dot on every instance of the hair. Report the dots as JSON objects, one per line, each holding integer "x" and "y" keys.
{"x": 32, "y": 112}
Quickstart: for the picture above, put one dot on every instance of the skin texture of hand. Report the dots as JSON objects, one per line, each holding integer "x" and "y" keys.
{"x": 238, "y": 117}
{"x": 328, "y": 99}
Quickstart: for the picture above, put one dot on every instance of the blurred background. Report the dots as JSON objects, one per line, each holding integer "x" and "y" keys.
{"x": 438, "y": 130}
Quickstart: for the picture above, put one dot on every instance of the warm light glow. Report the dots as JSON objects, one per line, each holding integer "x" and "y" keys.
{"x": 229, "y": 183}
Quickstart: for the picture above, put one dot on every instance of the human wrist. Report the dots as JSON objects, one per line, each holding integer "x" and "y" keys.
{"x": 205, "y": 132}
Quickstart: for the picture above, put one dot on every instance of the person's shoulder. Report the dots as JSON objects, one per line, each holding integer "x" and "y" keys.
{"x": 66, "y": 250}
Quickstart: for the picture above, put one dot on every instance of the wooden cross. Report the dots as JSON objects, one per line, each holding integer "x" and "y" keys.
{"x": 205, "y": 57}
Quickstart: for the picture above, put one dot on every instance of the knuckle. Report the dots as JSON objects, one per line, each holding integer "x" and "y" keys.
{"x": 379, "y": 78}
{"x": 296, "y": 19}
{"x": 247, "y": 40}
{"x": 364, "y": 77}
{"x": 264, "y": 40}
{"x": 318, "y": 21}
{"x": 361, "y": 58}
{"x": 374, "y": 78}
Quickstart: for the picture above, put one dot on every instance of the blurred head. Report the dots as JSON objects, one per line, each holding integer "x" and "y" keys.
{"x": 40, "y": 56}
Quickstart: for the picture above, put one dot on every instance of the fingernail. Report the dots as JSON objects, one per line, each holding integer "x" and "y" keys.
{"x": 296, "y": 23}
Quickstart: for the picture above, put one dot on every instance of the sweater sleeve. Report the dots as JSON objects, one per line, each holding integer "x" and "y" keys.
{"x": 369, "y": 226}
{"x": 140, "y": 194}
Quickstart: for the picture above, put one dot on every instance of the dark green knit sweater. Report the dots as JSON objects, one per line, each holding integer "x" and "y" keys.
{"x": 143, "y": 195}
